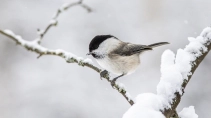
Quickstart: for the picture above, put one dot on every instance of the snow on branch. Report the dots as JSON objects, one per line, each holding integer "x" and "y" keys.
{"x": 176, "y": 72}
{"x": 188, "y": 113}
{"x": 54, "y": 20}
{"x": 34, "y": 46}
{"x": 180, "y": 70}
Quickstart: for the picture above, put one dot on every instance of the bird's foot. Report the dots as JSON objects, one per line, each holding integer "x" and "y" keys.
{"x": 104, "y": 74}
{"x": 113, "y": 82}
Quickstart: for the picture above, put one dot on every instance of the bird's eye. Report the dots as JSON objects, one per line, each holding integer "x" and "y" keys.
{"x": 94, "y": 55}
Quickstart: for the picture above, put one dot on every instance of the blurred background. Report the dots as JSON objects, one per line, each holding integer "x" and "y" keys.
{"x": 51, "y": 88}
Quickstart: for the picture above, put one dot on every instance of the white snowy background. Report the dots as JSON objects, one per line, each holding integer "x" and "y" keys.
{"x": 50, "y": 88}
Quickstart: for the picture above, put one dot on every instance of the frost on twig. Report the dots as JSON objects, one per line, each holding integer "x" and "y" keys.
{"x": 120, "y": 88}
{"x": 34, "y": 46}
{"x": 54, "y": 20}
{"x": 176, "y": 72}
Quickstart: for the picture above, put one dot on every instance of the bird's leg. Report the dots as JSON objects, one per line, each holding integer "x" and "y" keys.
{"x": 104, "y": 74}
{"x": 114, "y": 80}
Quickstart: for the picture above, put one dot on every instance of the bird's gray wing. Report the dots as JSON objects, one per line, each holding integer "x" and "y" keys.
{"x": 129, "y": 49}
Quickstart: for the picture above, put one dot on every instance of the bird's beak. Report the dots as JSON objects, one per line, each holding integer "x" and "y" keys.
{"x": 89, "y": 53}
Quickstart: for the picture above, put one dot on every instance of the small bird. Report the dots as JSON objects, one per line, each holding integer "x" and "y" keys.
{"x": 118, "y": 57}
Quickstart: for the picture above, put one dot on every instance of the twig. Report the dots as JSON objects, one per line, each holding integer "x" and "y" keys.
{"x": 54, "y": 20}
{"x": 34, "y": 46}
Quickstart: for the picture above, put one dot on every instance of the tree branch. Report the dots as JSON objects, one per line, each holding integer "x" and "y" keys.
{"x": 176, "y": 72}
{"x": 54, "y": 20}
{"x": 206, "y": 36}
{"x": 34, "y": 46}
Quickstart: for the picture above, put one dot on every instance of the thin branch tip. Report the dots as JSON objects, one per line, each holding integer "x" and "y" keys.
{"x": 39, "y": 56}
{"x": 54, "y": 21}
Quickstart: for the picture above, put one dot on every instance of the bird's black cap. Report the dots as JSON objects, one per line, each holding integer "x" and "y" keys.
{"x": 97, "y": 40}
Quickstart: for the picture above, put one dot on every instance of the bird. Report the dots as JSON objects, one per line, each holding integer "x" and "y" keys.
{"x": 118, "y": 57}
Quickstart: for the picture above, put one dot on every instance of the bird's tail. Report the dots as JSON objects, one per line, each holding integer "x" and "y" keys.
{"x": 158, "y": 44}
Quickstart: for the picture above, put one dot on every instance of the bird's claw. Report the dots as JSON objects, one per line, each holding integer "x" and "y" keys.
{"x": 104, "y": 74}
{"x": 113, "y": 83}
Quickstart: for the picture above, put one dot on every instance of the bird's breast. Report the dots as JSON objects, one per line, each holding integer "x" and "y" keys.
{"x": 120, "y": 64}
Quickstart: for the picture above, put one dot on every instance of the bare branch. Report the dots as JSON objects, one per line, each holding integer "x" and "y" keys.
{"x": 34, "y": 46}
{"x": 86, "y": 7}
{"x": 54, "y": 20}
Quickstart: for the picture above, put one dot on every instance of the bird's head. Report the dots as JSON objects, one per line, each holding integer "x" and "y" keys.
{"x": 102, "y": 45}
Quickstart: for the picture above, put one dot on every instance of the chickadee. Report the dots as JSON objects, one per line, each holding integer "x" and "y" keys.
{"x": 116, "y": 56}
